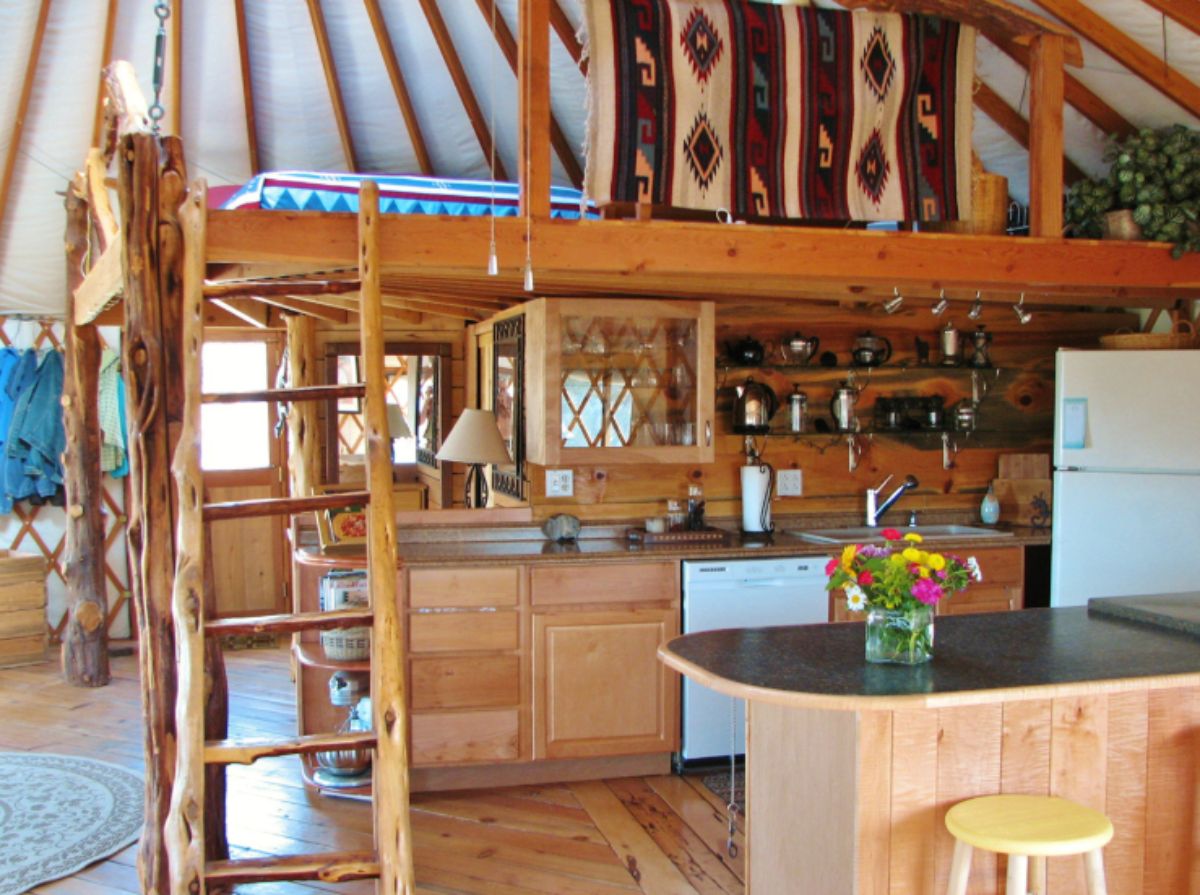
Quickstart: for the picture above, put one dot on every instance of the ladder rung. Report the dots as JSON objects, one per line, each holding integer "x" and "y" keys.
{"x": 251, "y": 749}
{"x": 283, "y": 506}
{"x": 305, "y": 393}
{"x": 291, "y": 622}
{"x": 334, "y": 867}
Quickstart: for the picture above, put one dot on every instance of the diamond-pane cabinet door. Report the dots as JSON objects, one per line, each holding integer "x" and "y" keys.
{"x": 632, "y": 384}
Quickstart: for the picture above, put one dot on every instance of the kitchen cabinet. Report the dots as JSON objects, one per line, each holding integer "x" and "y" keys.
{"x": 633, "y": 385}
{"x": 598, "y": 687}
{"x": 1002, "y": 588}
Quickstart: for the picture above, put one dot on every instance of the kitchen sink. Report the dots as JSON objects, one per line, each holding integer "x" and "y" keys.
{"x": 928, "y": 532}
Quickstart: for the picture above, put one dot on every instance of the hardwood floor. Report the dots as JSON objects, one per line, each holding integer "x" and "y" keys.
{"x": 654, "y": 835}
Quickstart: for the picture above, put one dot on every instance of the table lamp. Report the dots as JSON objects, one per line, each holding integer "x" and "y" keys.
{"x": 475, "y": 439}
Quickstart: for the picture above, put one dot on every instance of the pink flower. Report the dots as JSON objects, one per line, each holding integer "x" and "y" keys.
{"x": 890, "y": 534}
{"x": 831, "y": 566}
{"x": 927, "y": 591}
{"x": 941, "y": 573}
{"x": 865, "y": 577}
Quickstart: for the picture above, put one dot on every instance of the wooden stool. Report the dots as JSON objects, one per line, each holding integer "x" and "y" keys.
{"x": 1025, "y": 827}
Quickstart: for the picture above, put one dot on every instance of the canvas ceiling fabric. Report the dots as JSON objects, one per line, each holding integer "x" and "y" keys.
{"x": 773, "y": 111}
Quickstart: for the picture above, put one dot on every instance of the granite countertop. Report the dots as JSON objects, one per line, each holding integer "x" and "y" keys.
{"x": 1180, "y": 612}
{"x": 1036, "y": 653}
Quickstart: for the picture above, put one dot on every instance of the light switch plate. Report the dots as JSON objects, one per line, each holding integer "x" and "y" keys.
{"x": 791, "y": 483}
{"x": 560, "y": 483}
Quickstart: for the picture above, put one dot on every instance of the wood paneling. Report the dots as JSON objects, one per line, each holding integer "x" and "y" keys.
{"x": 247, "y": 561}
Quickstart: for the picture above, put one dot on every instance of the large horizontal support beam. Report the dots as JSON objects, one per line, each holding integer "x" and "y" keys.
{"x": 700, "y": 259}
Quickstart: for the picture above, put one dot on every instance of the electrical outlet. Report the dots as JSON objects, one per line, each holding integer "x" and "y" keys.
{"x": 560, "y": 483}
{"x": 791, "y": 483}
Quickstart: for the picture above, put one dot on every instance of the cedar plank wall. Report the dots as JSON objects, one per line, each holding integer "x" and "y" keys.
{"x": 1017, "y": 413}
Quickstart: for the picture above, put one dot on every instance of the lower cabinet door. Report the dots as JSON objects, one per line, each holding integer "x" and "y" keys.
{"x": 458, "y": 737}
{"x": 599, "y": 688}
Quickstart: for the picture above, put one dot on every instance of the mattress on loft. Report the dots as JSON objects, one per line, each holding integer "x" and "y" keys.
{"x": 398, "y": 194}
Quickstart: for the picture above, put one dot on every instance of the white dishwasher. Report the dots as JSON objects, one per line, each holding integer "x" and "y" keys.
{"x": 741, "y": 593}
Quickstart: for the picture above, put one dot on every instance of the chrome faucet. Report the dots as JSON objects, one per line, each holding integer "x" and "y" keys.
{"x": 876, "y": 509}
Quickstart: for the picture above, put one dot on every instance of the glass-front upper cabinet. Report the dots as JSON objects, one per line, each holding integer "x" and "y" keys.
{"x": 619, "y": 381}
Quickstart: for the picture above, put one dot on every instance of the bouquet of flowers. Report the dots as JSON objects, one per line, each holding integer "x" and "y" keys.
{"x": 898, "y": 584}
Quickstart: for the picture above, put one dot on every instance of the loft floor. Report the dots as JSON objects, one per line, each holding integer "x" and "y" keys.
{"x": 616, "y": 837}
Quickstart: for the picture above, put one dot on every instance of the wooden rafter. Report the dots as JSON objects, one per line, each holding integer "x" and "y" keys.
{"x": 1127, "y": 51}
{"x": 463, "y": 85}
{"x": 246, "y": 310}
{"x": 331, "y": 81}
{"x": 1185, "y": 12}
{"x": 399, "y": 86}
{"x": 243, "y": 39}
{"x": 992, "y": 17}
{"x": 508, "y": 46}
{"x": 106, "y": 45}
{"x": 1082, "y": 99}
{"x": 14, "y": 140}
{"x": 1015, "y": 125}
{"x": 566, "y": 33}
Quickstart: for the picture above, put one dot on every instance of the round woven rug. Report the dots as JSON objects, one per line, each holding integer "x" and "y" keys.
{"x": 59, "y": 814}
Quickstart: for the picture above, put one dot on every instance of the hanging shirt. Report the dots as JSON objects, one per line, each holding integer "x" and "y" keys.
{"x": 36, "y": 438}
{"x": 19, "y": 379}
{"x": 112, "y": 433}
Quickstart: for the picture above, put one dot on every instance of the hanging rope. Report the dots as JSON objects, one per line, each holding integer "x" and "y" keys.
{"x": 162, "y": 10}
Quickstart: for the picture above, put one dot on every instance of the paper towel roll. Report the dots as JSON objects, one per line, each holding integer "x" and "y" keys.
{"x": 756, "y": 491}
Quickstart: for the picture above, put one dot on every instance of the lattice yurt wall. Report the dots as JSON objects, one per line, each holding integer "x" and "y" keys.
{"x": 41, "y": 529}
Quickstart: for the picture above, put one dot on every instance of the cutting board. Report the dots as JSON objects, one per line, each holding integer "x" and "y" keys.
{"x": 1025, "y": 501}
{"x": 1024, "y": 466}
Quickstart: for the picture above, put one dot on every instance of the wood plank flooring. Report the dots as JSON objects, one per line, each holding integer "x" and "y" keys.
{"x": 652, "y": 835}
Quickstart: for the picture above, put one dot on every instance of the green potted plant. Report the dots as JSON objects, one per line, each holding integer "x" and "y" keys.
{"x": 1154, "y": 176}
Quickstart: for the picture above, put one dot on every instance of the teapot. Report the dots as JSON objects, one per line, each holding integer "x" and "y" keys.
{"x": 747, "y": 353}
{"x": 797, "y": 349}
{"x": 871, "y": 350}
{"x": 756, "y": 404}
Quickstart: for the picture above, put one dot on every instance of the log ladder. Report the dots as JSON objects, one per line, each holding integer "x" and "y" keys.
{"x": 391, "y": 862}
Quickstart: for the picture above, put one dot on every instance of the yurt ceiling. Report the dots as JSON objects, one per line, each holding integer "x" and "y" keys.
{"x": 327, "y": 79}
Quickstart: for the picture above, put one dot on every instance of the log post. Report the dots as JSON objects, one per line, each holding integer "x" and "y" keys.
{"x": 1046, "y": 92}
{"x": 302, "y": 415}
{"x": 85, "y": 639}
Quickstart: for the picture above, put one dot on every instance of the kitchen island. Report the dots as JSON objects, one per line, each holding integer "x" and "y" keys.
{"x": 851, "y": 767}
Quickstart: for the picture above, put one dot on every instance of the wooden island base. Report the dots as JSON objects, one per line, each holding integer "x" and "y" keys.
{"x": 867, "y": 791}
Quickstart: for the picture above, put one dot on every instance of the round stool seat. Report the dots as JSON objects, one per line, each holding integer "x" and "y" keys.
{"x": 1041, "y": 826}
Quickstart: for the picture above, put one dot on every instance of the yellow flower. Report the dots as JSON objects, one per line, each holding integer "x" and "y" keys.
{"x": 911, "y": 554}
{"x": 937, "y": 562}
{"x": 896, "y": 559}
{"x": 848, "y": 555}
{"x": 914, "y": 537}
{"x": 923, "y": 571}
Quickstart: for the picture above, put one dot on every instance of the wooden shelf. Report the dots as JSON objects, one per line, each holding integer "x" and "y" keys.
{"x": 311, "y": 655}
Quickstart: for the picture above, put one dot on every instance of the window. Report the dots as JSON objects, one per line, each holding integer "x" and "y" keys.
{"x": 234, "y": 436}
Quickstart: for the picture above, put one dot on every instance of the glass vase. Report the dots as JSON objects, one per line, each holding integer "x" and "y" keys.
{"x": 900, "y": 636}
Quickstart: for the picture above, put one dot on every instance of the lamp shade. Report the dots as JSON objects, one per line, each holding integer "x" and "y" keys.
{"x": 397, "y": 424}
{"x": 475, "y": 438}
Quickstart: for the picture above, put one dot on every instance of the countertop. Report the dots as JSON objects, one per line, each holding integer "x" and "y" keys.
{"x": 989, "y": 657}
{"x": 527, "y": 544}
{"x": 1179, "y": 612}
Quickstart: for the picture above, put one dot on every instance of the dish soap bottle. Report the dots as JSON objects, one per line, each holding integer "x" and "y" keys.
{"x": 989, "y": 508}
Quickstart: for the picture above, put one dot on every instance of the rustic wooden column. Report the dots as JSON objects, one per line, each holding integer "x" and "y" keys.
{"x": 85, "y": 639}
{"x": 1046, "y": 97}
{"x": 302, "y": 415}
{"x": 534, "y": 107}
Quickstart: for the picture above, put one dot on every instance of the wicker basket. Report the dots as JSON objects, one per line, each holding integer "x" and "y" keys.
{"x": 347, "y": 644}
{"x": 345, "y": 590}
{"x": 1120, "y": 225}
{"x": 1182, "y": 335}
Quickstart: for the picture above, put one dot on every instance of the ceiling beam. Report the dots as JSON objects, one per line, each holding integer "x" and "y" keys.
{"x": 106, "y": 45}
{"x": 533, "y": 109}
{"x": 247, "y": 310}
{"x": 14, "y": 140}
{"x": 566, "y": 33}
{"x": 399, "y": 85}
{"x": 990, "y": 16}
{"x": 1125, "y": 50}
{"x": 243, "y": 39}
{"x": 1013, "y": 123}
{"x": 508, "y": 45}
{"x": 303, "y": 306}
{"x": 463, "y": 85}
{"x": 331, "y": 81}
{"x": 1185, "y": 12}
{"x": 1083, "y": 100}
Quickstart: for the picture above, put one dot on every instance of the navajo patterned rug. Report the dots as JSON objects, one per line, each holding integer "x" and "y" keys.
{"x": 779, "y": 111}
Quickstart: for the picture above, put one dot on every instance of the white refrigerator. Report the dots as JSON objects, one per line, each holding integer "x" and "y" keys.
{"x": 1126, "y": 515}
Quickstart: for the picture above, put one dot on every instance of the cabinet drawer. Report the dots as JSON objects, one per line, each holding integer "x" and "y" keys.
{"x": 465, "y": 682}
{"x": 463, "y": 587}
{"x": 983, "y": 598}
{"x": 999, "y": 565}
{"x": 442, "y": 632}
{"x": 611, "y": 583}
{"x": 466, "y": 736}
